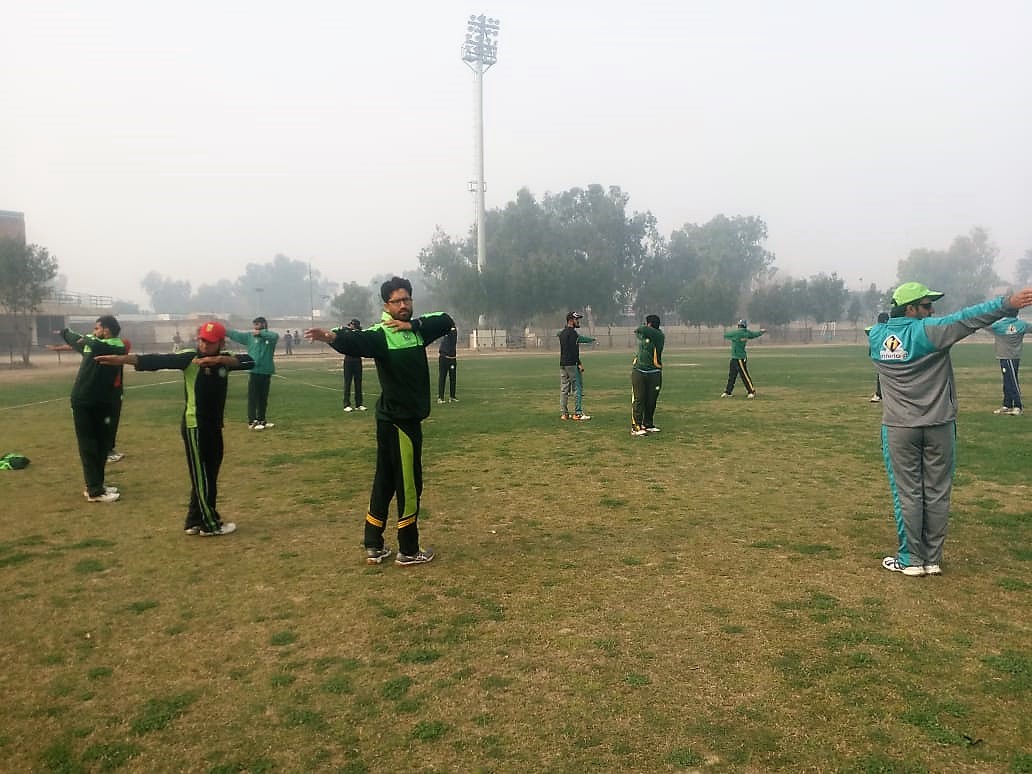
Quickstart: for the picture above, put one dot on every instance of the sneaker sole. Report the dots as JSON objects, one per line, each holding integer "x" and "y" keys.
{"x": 227, "y": 529}
{"x": 412, "y": 563}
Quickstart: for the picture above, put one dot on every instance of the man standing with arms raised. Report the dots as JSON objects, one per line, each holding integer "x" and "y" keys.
{"x": 398, "y": 346}
{"x": 94, "y": 398}
{"x": 919, "y": 414}
{"x": 261, "y": 345}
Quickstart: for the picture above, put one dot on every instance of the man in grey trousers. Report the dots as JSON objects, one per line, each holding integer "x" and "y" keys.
{"x": 911, "y": 353}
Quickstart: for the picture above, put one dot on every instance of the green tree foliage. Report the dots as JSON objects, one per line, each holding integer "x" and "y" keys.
{"x": 855, "y": 309}
{"x": 354, "y": 301}
{"x": 219, "y": 298}
{"x": 450, "y": 272}
{"x": 167, "y": 295}
{"x": 286, "y": 290}
{"x": 826, "y": 298}
{"x": 574, "y": 249}
{"x": 25, "y": 273}
{"x": 724, "y": 256}
{"x": 288, "y": 287}
{"x": 1024, "y": 268}
{"x": 708, "y": 301}
{"x": 964, "y": 272}
{"x": 775, "y": 304}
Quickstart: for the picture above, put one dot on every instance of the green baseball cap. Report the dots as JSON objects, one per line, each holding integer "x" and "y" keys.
{"x": 909, "y": 292}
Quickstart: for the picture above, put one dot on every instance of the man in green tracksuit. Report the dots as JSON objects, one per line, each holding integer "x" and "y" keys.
{"x": 94, "y": 402}
{"x": 261, "y": 344}
{"x": 646, "y": 376}
{"x": 205, "y": 383}
{"x": 398, "y": 346}
{"x": 738, "y": 338}
{"x": 911, "y": 353}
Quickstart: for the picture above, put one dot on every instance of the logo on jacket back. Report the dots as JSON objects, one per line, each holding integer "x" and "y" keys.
{"x": 892, "y": 349}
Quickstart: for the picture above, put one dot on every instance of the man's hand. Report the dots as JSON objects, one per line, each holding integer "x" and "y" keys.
{"x": 1021, "y": 299}
{"x": 210, "y": 361}
{"x": 320, "y": 334}
{"x": 115, "y": 360}
{"x": 580, "y": 368}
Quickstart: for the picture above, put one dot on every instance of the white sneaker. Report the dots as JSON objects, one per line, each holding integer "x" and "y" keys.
{"x": 257, "y": 426}
{"x": 107, "y": 490}
{"x": 751, "y": 395}
{"x": 639, "y": 433}
{"x": 932, "y": 569}
{"x": 652, "y": 429}
{"x": 892, "y": 564}
{"x": 581, "y": 417}
{"x": 440, "y": 400}
{"x": 875, "y": 399}
{"x": 725, "y": 395}
{"x": 453, "y": 400}
{"x": 226, "y": 528}
{"x": 1003, "y": 410}
{"x": 348, "y": 408}
{"x": 107, "y": 497}
{"x": 362, "y": 408}
{"x": 115, "y": 456}
{"x": 1015, "y": 412}
{"x": 268, "y": 424}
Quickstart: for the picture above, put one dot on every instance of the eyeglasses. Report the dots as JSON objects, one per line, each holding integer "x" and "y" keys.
{"x": 396, "y": 301}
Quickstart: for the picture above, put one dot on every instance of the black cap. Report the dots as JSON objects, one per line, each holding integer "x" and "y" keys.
{"x": 574, "y": 316}
{"x": 355, "y": 322}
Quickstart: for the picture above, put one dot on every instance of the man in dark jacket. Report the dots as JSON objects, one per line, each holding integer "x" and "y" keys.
{"x": 398, "y": 345}
{"x": 447, "y": 363}
{"x": 94, "y": 402}
{"x": 353, "y": 373}
{"x": 205, "y": 383}
{"x": 646, "y": 376}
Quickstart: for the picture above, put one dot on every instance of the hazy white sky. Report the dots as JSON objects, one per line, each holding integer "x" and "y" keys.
{"x": 195, "y": 137}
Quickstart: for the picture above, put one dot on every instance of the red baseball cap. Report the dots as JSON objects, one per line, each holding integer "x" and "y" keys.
{"x": 212, "y": 330}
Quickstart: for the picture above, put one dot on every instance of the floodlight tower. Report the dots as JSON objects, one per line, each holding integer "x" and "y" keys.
{"x": 480, "y": 52}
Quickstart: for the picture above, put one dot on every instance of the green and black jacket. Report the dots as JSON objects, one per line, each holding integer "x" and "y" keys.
{"x": 204, "y": 387}
{"x": 400, "y": 363}
{"x": 95, "y": 383}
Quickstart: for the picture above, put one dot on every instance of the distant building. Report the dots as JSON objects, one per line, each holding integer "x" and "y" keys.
{"x": 12, "y": 225}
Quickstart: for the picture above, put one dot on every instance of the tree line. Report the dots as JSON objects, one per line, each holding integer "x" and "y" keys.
{"x": 576, "y": 249}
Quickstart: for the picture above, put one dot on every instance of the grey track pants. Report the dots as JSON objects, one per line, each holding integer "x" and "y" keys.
{"x": 920, "y": 462}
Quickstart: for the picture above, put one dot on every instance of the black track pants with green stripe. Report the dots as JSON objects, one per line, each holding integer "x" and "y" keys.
{"x": 203, "y": 459}
{"x": 399, "y": 474}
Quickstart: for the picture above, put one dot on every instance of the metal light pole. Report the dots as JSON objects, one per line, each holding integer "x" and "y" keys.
{"x": 311, "y": 295}
{"x": 480, "y": 52}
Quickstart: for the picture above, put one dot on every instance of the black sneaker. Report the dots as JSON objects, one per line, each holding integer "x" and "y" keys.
{"x": 420, "y": 557}
{"x": 377, "y": 555}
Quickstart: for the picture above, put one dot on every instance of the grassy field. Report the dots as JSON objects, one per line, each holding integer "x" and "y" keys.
{"x": 708, "y": 598}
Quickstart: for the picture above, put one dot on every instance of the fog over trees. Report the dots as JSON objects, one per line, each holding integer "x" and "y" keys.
{"x": 582, "y": 249}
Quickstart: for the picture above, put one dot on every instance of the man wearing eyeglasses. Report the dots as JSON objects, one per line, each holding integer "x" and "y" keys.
{"x": 398, "y": 345}
{"x": 911, "y": 352}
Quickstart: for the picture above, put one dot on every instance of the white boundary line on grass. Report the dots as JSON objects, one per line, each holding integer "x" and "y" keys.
{"x": 65, "y": 397}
